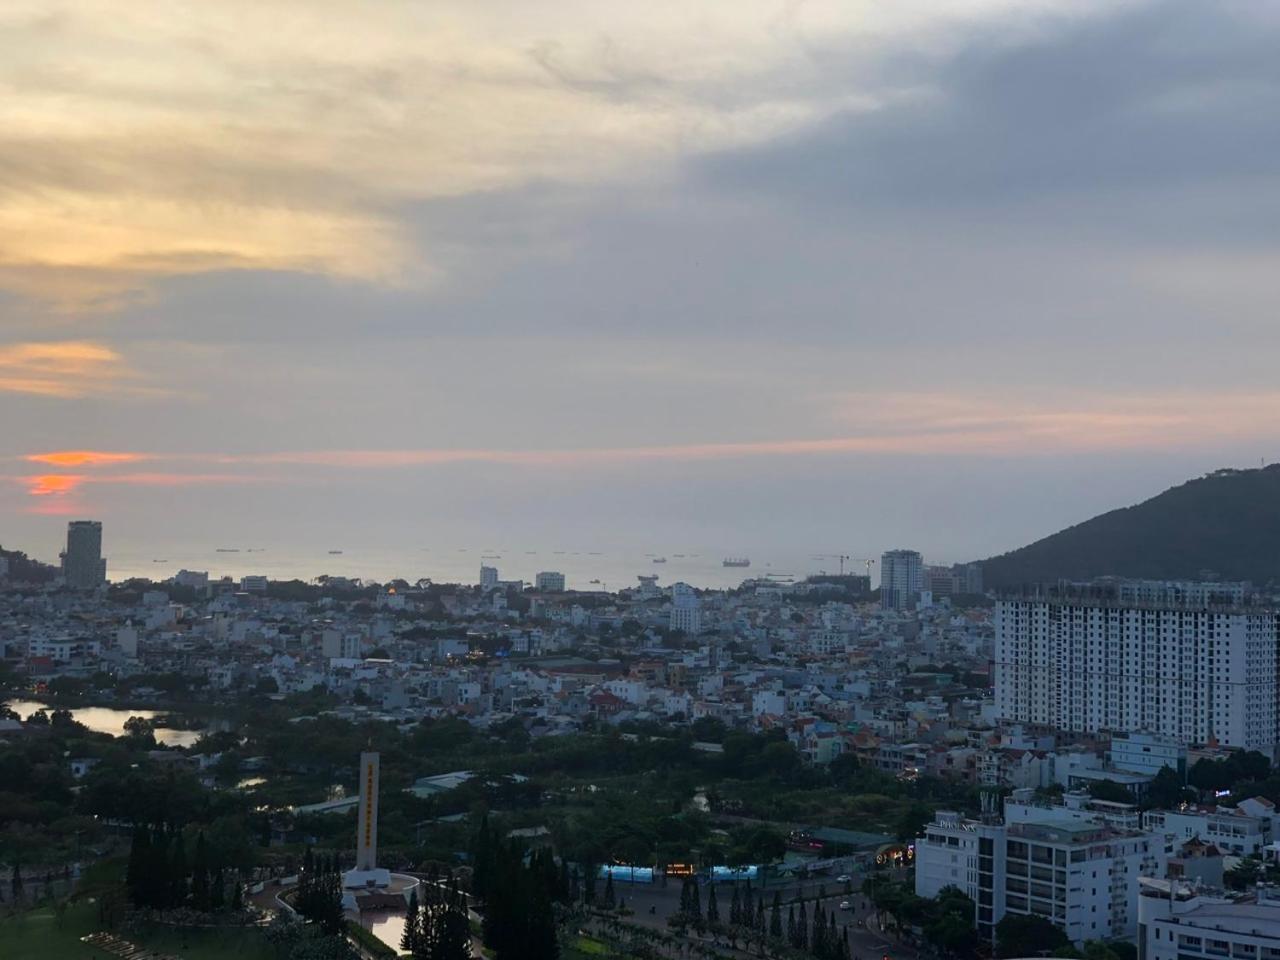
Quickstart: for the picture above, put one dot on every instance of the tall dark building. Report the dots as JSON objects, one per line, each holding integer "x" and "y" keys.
{"x": 83, "y": 566}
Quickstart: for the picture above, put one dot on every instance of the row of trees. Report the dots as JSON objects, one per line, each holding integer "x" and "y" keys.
{"x": 749, "y": 920}
{"x": 319, "y": 896}
{"x": 160, "y": 876}
{"x": 519, "y": 894}
{"x": 437, "y": 927}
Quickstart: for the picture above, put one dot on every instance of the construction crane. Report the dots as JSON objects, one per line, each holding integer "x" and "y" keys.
{"x": 842, "y": 557}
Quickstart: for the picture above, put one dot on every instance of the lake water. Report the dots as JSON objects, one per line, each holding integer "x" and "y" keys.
{"x": 111, "y": 720}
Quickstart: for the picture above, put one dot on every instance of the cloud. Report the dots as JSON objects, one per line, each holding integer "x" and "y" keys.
{"x": 924, "y": 424}
{"x": 80, "y": 458}
{"x": 159, "y": 141}
{"x": 1084, "y": 423}
{"x": 65, "y": 493}
{"x": 65, "y": 369}
{"x": 1154, "y": 108}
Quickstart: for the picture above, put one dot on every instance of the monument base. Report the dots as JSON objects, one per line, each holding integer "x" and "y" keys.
{"x": 366, "y": 879}
{"x": 361, "y": 881}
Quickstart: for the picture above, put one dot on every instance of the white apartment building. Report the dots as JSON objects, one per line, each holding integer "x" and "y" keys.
{"x": 825, "y": 643}
{"x": 686, "y": 609}
{"x": 337, "y": 645}
{"x": 1080, "y": 874}
{"x": 1180, "y": 592}
{"x": 1146, "y": 753}
{"x": 901, "y": 578}
{"x": 769, "y": 701}
{"x": 196, "y": 579}
{"x": 127, "y": 640}
{"x": 550, "y": 581}
{"x": 63, "y": 650}
{"x": 488, "y": 577}
{"x": 1189, "y": 672}
{"x": 1177, "y": 921}
{"x": 253, "y": 584}
{"x": 1242, "y": 830}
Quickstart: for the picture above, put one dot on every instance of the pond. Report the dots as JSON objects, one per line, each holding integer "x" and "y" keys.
{"x": 111, "y": 720}
{"x": 383, "y": 924}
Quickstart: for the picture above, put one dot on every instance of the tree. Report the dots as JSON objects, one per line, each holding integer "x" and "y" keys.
{"x": 454, "y": 941}
{"x": 775, "y": 916}
{"x": 1027, "y": 936}
{"x": 1209, "y": 775}
{"x": 200, "y": 874}
{"x": 1166, "y": 790}
{"x": 1243, "y": 875}
{"x": 139, "y": 862}
{"x": 319, "y": 897}
{"x": 137, "y": 726}
{"x": 695, "y": 900}
{"x": 610, "y": 898}
{"x": 713, "y": 908}
{"x": 412, "y": 923}
{"x": 911, "y": 822}
{"x": 177, "y": 872}
{"x": 1098, "y": 950}
{"x": 1111, "y": 791}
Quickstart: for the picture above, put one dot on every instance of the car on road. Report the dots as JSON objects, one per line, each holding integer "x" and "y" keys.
{"x": 846, "y": 905}
{"x": 844, "y": 878}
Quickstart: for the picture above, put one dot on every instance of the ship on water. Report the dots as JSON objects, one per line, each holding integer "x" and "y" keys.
{"x": 736, "y": 562}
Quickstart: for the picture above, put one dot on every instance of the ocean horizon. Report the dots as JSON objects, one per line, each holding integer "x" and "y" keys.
{"x": 583, "y": 569}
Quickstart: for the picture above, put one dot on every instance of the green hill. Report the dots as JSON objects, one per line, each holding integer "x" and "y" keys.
{"x": 1226, "y": 523}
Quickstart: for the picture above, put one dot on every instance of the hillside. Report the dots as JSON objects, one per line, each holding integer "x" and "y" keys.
{"x": 1227, "y": 522}
{"x": 22, "y": 569}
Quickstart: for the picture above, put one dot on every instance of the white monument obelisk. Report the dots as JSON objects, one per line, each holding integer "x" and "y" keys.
{"x": 367, "y": 872}
{"x": 367, "y": 825}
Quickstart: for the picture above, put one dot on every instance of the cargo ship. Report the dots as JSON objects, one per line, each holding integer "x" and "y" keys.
{"x": 736, "y": 562}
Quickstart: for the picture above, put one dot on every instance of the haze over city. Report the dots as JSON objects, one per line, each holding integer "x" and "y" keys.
{"x": 778, "y": 278}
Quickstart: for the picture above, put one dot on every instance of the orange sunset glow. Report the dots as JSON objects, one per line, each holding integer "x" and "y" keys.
{"x": 53, "y": 484}
{"x": 81, "y": 458}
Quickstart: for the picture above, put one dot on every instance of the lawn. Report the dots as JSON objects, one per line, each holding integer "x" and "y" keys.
{"x": 40, "y": 935}
{"x": 240, "y": 944}
{"x": 586, "y": 948}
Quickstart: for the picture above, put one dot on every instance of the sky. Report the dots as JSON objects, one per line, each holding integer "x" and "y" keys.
{"x": 761, "y": 277}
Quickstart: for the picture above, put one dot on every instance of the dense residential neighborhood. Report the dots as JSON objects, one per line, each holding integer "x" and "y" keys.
{"x": 926, "y": 688}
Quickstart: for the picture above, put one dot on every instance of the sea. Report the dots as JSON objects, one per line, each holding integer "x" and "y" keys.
{"x": 583, "y": 569}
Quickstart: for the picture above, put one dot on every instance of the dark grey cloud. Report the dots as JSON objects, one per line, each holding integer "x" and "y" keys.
{"x": 1169, "y": 95}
